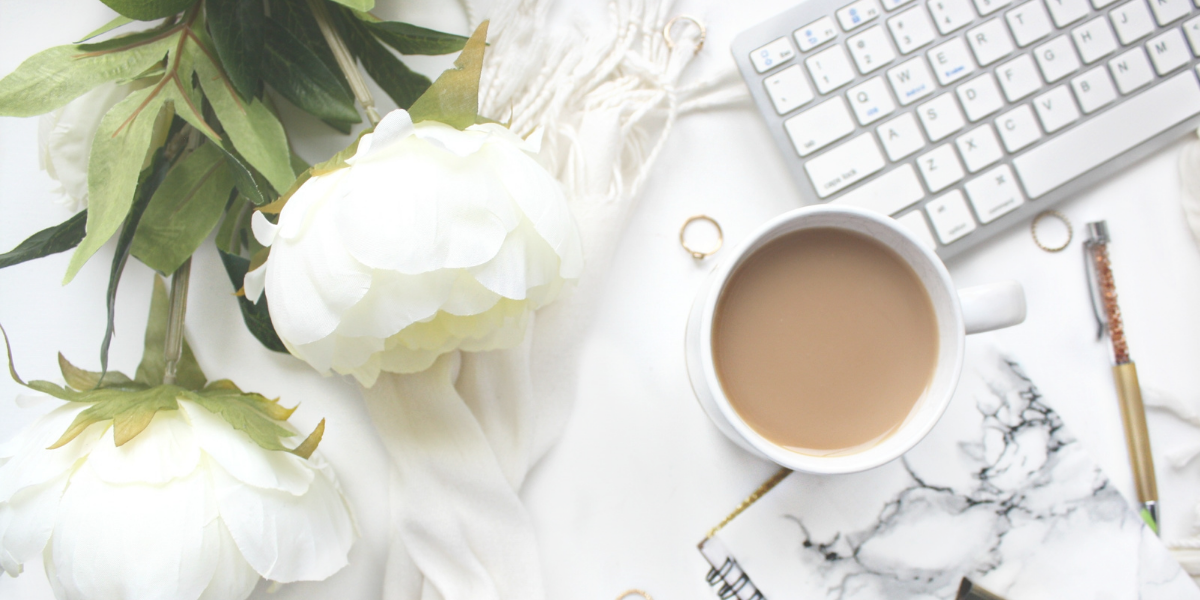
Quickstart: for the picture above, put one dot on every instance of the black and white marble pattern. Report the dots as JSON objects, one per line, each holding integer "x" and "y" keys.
{"x": 999, "y": 492}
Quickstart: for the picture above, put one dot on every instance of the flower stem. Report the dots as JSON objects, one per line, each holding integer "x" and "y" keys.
{"x": 344, "y": 60}
{"x": 173, "y": 346}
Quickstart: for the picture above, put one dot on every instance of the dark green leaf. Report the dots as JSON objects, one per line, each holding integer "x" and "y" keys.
{"x": 298, "y": 19}
{"x": 454, "y": 98}
{"x": 148, "y": 10}
{"x": 299, "y": 75}
{"x": 403, "y": 85}
{"x": 111, "y": 25}
{"x": 410, "y": 39}
{"x": 52, "y": 240}
{"x": 83, "y": 381}
{"x": 129, "y": 411}
{"x": 236, "y": 29}
{"x": 243, "y": 178}
{"x": 154, "y": 363}
{"x": 256, "y": 315}
{"x": 184, "y": 209}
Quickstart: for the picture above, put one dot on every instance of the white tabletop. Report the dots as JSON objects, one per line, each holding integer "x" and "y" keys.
{"x": 639, "y": 475}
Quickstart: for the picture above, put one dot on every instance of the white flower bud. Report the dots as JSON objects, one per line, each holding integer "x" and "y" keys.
{"x": 65, "y": 141}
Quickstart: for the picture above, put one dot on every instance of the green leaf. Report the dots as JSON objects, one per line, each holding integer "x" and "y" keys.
{"x": 184, "y": 209}
{"x": 82, "y": 380}
{"x": 52, "y": 78}
{"x": 299, "y": 75}
{"x": 129, "y": 411}
{"x": 148, "y": 10}
{"x": 454, "y": 98}
{"x": 410, "y": 39}
{"x": 154, "y": 363}
{"x": 309, "y": 445}
{"x": 111, "y": 25}
{"x": 403, "y": 85}
{"x": 363, "y": 5}
{"x": 241, "y": 411}
{"x": 243, "y": 178}
{"x": 118, "y": 153}
{"x": 255, "y": 132}
{"x": 52, "y": 240}
{"x": 236, "y": 29}
{"x": 151, "y": 178}
{"x": 256, "y": 315}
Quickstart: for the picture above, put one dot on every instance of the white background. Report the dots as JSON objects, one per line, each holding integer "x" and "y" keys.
{"x": 640, "y": 475}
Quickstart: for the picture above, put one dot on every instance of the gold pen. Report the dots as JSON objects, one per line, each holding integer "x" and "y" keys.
{"x": 1133, "y": 414}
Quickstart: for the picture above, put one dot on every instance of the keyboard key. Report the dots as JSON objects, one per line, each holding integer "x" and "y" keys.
{"x": 994, "y": 193}
{"x": 987, "y": 7}
{"x": 1094, "y": 40}
{"x": 1029, "y": 22}
{"x": 1018, "y": 128}
{"x": 845, "y": 165}
{"x": 830, "y": 69}
{"x": 1018, "y": 78}
{"x": 900, "y": 137}
{"x": 1056, "y": 58}
{"x": 990, "y": 42}
{"x": 894, "y": 4}
{"x": 1101, "y": 3}
{"x": 819, "y": 126}
{"x": 1094, "y": 89}
{"x": 1108, "y": 134}
{"x": 911, "y": 29}
{"x": 889, "y": 194}
{"x": 871, "y": 101}
{"x": 814, "y": 34}
{"x": 911, "y": 81}
{"x": 979, "y": 148}
{"x": 915, "y": 224}
{"x": 788, "y": 89}
{"x": 858, "y": 13}
{"x": 1056, "y": 109}
{"x": 1132, "y": 21}
{"x": 773, "y": 54}
{"x": 1192, "y": 29}
{"x": 950, "y": 15}
{"x": 980, "y": 97}
{"x": 940, "y": 168}
{"x": 1131, "y": 70}
{"x": 1168, "y": 51}
{"x": 1066, "y": 12}
{"x": 951, "y": 61}
{"x": 871, "y": 50}
{"x": 950, "y": 217}
{"x": 1167, "y": 11}
{"x": 941, "y": 117}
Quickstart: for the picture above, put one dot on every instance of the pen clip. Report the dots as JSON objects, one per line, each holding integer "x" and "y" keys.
{"x": 1097, "y": 236}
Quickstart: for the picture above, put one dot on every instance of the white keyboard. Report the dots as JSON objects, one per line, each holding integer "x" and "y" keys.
{"x": 962, "y": 117}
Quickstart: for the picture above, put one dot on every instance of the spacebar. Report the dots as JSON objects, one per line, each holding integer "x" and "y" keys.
{"x": 1089, "y": 145}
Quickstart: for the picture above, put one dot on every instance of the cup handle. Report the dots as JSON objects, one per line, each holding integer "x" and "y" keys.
{"x": 992, "y": 306}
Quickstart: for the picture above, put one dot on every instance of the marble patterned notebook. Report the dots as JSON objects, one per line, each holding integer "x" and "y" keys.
{"x": 999, "y": 492}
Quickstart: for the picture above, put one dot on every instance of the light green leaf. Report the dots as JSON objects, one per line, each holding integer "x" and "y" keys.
{"x": 150, "y": 372}
{"x": 241, "y": 410}
{"x": 255, "y": 132}
{"x": 184, "y": 209}
{"x": 148, "y": 10}
{"x": 454, "y": 98}
{"x": 236, "y": 28}
{"x": 111, "y": 25}
{"x": 129, "y": 411}
{"x": 299, "y": 75}
{"x": 83, "y": 381}
{"x": 309, "y": 445}
{"x": 118, "y": 152}
{"x": 52, "y": 240}
{"x": 363, "y": 5}
{"x": 52, "y": 78}
{"x": 410, "y": 39}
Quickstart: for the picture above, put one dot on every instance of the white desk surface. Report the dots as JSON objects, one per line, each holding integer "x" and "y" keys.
{"x": 639, "y": 475}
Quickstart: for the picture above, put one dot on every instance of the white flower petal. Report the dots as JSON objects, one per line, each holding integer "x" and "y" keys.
{"x": 264, "y": 230}
{"x": 136, "y": 541}
{"x": 468, "y": 296}
{"x": 163, "y": 451}
{"x": 27, "y": 520}
{"x": 66, "y": 135}
{"x": 395, "y": 301}
{"x": 394, "y": 127}
{"x": 462, "y": 143}
{"x": 255, "y": 282}
{"x": 242, "y": 458}
{"x": 524, "y": 261}
{"x": 234, "y": 578}
{"x": 284, "y": 537}
{"x": 30, "y": 462}
{"x": 303, "y": 207}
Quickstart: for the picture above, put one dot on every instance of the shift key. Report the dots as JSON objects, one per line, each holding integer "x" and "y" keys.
{"x": 845, "y": 165}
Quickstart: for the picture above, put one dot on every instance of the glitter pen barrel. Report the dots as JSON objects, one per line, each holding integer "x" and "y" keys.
{"x": 1133, "y": 414}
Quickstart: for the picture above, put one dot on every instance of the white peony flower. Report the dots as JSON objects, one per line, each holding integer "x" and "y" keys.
{"x": 65, "y": 140}
{"x": 433, "y": 239}
{"x": 189, "y": 508}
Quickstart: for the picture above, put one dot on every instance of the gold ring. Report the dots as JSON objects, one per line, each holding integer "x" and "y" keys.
{"x": 1061, "y": 217}
{"x": 697, "y": 254}
{"x": 633, "y": 592}
{"x": 672, "y": 22}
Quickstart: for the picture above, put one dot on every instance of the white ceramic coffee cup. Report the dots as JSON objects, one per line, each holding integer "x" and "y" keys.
{"x": 958, "y": 313}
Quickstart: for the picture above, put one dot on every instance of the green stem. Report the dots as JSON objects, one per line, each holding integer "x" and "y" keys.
{"x": 173, "y": 346}
{"x": 344, "y": 60}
